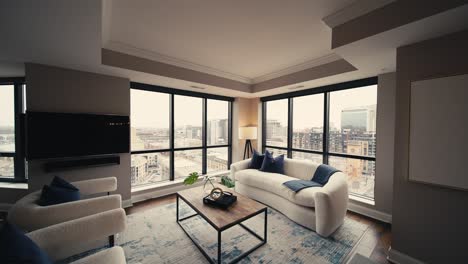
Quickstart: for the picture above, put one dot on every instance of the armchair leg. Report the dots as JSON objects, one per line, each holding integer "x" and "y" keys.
{"x": 111, "y": 241}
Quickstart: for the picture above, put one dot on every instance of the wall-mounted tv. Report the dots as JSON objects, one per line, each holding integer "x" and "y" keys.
{"x": 60, "y": 135}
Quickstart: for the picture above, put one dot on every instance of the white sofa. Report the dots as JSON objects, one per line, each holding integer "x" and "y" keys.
{"x": 322, "y": 209}
{"x": 29, "y": 216}
{"x": 76, "y": 236}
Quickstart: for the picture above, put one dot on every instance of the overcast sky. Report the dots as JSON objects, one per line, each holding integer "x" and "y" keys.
{"x": 7, "y": 107}
{"x": 151, "y": 109}
{"x": 308, "y": 110}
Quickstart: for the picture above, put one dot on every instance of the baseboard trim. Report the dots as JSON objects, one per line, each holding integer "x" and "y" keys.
{"x": 161, "y": 191}
{"x": 372, "y": 213}
{"x": 397, "y": 257}
{"x": 127, "y": 203}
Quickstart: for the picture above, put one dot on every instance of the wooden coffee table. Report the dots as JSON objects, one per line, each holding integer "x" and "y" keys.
{"x": 221, "y": 220}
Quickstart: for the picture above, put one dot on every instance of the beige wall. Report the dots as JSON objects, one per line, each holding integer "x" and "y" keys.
{"x": 60, "y": 90}
{"x": 384, "y": 19}
{"x": 245, "y": 113}
{"x": 429, "y": 223}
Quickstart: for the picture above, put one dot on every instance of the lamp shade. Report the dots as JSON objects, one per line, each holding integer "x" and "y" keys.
{"x": 247, "y": 132}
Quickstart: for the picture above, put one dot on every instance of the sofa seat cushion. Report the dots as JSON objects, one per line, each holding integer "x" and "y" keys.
{"x": 273, "y": 182}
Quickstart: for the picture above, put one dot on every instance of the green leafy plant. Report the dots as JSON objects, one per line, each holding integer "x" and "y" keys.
{"x": 192, "y": 178}
{"x": 228, "y": 182}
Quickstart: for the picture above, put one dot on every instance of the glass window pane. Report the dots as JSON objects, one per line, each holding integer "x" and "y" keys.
{"x": 277, "y": 152}
{"x": 353, "y": 121}
{"x": 150, "y": 168}
{"x": 217, "y": 159}
{"x": 187, "y": 121}
{"x": 360, "y": 174}
{"x": 277, "y": 123}
{"x": 308, "y": 122}
{"x": 7, "y": 167}
{"x": 315, "y": 158}
{"x": 7, "y": 118}
{"x": 186, "y": 162}
{"x": 150, "y": 120}
{"x": 217, "y": 122}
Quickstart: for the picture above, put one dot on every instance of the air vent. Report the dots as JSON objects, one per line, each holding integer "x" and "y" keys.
{"x": 197, "y": 87}
{"x": 296, "y": 87}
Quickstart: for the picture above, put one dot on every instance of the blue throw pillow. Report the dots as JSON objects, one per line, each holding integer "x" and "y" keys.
{"x": 61, "y": 183}
{"x": 59, "y": 191}
{"x": 16, "y": 247}
{"x": 273, "y": 165}
{"x": 256, "y": 161}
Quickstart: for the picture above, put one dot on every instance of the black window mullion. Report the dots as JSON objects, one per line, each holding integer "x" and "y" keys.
{"x": 264, "y": 128}
{"x": 326, "y": 126}
{"x": 229, "y": 135}
{"x": 204, "y": 135}
{"x": 171, "y": 137}
{"x": 290, "y": 126}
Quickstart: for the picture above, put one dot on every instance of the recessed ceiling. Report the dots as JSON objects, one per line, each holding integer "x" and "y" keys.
{"x": 246, "y": 39}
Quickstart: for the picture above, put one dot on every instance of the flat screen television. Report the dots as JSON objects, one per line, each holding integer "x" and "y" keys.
{"x": 61, "y": 135}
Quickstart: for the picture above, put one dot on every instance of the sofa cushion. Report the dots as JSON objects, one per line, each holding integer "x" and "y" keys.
{"x": 271, "y": 164}
{"x": 273, "y": 182}
{"x": 16, "y": 247}
{"x": 256, "y": 161}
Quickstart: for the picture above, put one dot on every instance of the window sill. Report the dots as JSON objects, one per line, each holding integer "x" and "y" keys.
{"x": 361, "y": 200}
{"x": 13, "y": 185}
{"x": 176, "y": 182}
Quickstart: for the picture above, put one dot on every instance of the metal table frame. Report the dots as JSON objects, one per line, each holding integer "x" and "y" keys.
{"x": 220, "y": 230}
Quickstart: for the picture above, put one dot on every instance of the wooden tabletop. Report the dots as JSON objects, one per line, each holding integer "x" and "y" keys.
{"x": 219, "y": 218}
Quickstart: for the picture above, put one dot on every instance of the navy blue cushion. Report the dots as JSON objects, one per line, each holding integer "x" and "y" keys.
{"x": 16, "y": 247}
{"x": 323, "y": 174}
{"x": 59, "y": 191}
{"x": 61, "y": 183}
{"x": 273, "y": 165}
{"x": 256, "y": 161}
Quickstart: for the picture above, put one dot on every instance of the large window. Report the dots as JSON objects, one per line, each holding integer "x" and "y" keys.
{"x": 175, "y": 133}
{"x": 11, "y": 106}
{"x": 334, "y": 125}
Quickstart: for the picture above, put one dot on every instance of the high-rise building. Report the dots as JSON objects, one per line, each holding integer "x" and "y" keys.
{"x": 217, "y": 132}
{"x": 359, "y": 118}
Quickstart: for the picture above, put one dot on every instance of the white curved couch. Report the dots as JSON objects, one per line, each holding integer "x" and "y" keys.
{"x": 322, "y": 209}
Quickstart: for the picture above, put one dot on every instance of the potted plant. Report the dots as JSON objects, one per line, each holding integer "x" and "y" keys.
{"x": 193, "y": 178}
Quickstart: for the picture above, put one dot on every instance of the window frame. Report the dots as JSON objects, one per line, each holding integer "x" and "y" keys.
{"x": 18, "y": 156}
{"x": 325, "y": 90}
{"x": 204, "y": 147}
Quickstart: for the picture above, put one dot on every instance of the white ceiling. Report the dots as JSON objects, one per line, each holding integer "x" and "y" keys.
{"x": 243, "y": 39}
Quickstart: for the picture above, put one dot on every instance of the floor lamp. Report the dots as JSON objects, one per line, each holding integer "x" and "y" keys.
{"x": 248, "y": 133}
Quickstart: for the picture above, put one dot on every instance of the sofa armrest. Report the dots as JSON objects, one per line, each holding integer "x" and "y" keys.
{"x": 238, "y": 166}
{"x": 63, "y": 240}
{"x": 114, "y": 255}
{"x": 331, "y": 204}
{"x": 29, "y": 216}
{"x": 94, "y": 186}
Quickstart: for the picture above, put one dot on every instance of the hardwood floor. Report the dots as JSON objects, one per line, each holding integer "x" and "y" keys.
{"x": 374, "y": 243}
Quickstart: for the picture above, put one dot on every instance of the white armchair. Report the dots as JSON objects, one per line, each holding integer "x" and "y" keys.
{"x": 29, "y": 216}
{"x": 70, "y": 238}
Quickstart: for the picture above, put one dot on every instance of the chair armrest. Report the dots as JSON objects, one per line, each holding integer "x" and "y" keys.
{"x": 94, "y": 186}
{"x": 29, "y": 216}
{"x": 331, "y": 204}
{"x": 238, "y": 166}
{"x": 65, "y": 239}
{"x": 114, "y": 255}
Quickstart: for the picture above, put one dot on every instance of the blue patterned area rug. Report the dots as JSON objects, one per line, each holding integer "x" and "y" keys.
{"x": 154, "y": 236}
